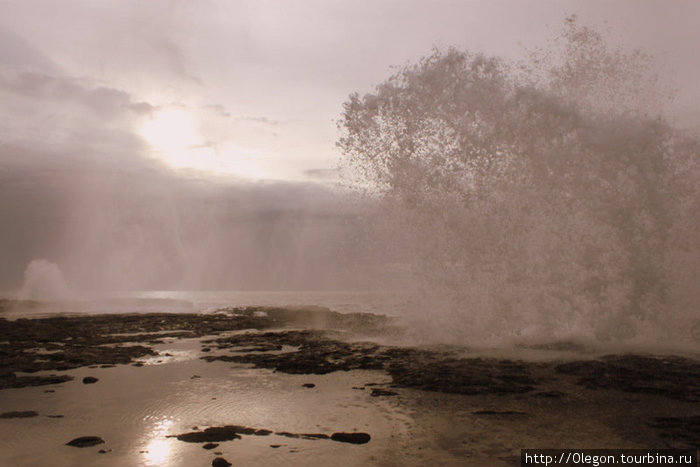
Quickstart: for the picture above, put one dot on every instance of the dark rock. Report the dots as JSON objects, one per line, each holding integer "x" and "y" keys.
{"x": 499, "y": 412}
{"x": 286, "y": 434}
{"x": 679, "y": 432}
{"x": 23, "y": 414}
{"x": 438, "y": 371}
{"x": 354, "y": 438}
{"x": 314, "y": 436}
{"x": 85, "y": 341}
{"x": 220, "y": 462}
{"x": 275, "y": 446}
{"x": 308, "y": 385}
{"x": 549, "y": 394}
{"x": 383, "y": 392}
{"x": 672, "y": 377}
{"x": 210, "y": 445}
{"x": 431, "y": 370}
{"x": 55, "y": 416}
{"x": 85, "y": 441}
{"x": 230, "y": 432}
{"x": 215, "y": 434}
{"x": 90, "y": 380}
{"x": 13, "y": 381}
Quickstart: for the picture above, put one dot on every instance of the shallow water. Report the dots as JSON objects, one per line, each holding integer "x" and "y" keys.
{"x": 134, "y": 409}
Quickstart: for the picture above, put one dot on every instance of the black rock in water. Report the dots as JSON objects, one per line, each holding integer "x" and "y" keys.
{"x": 220, "y": 462}
{"x": 354, "y": 438}
{"x": 210, "y": 445}
{"x": 308, "y": 385}
{"x": 85, "y": 441}
{"x": 90, "y": 380}
{"x": 23, "y": 414}
{"x": 498, "y": 412}
{"x": 383, "y": 392}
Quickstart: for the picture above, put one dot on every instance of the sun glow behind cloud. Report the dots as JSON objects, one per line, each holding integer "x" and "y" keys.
{"x": 175, "y": 138}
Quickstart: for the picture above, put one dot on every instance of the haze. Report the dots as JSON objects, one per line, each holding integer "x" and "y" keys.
{"x": 191, "y": 144}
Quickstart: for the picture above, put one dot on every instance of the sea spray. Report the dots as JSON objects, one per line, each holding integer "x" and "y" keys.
{"x": 43, "y": 281}
{"x": 546, "y": 201}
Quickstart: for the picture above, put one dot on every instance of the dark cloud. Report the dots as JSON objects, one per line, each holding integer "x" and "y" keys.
{"x": 265, "y": 120}
{"x": 218, "y": 109}
{"x": 102, "y": 100}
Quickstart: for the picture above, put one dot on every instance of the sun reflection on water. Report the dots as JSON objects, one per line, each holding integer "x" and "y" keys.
{"x": 157, "y": 451}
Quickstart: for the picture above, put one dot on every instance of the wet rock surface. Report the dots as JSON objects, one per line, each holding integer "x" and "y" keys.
{"x": 220, "y": 462}
{"x": 219, "y": 433}
{"x": 85, "y": 441}
{"x": 673, "y": 377}
{"x": 353, "y": 438}
{"x": 10, "y": 380}
{"x": 19, "y": 414}
{"x": 679, "y": 432}
{"x": 320, "y": 352}
{"x": 270, "y": 339}
{"x": 232, "y": 432}
{"x": 65, "y": 343}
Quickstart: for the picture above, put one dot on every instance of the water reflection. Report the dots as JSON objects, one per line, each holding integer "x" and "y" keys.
{"x": 158, "y": 449}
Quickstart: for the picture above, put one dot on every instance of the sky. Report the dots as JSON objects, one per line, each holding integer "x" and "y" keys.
{"x": 140, "y": 139}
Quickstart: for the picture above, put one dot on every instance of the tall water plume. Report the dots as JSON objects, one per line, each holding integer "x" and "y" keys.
{"x": 543, "y": 199}
{"x": 43, "y": 280}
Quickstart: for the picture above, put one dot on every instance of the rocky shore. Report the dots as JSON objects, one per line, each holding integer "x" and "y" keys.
{"x": 663, "y": 391}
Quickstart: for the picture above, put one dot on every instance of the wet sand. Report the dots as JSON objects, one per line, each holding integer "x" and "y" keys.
{"x": 310, "y": 386}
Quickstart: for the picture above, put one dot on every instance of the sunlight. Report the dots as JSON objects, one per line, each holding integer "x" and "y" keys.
{"x": 158, "y": 451}
{"x": 175, "y": 139}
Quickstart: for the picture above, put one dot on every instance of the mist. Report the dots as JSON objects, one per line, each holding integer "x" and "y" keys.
{"x": 172, "y": 167}
{"x": 393, "y": 232}
{"x": 546, "y": 197}
{"x": 130, "y": 231}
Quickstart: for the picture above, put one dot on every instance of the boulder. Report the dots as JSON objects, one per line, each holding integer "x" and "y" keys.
{"x": 85, "y": 441}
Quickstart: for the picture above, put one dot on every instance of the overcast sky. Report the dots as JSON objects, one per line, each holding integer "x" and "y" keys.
{"x": 99, "y": 97}
{"x": 251, "y": 88}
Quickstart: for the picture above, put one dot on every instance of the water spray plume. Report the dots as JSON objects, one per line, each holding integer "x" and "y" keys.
{"x": 546, "y": 200}
{"x": 43, "y": 281}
